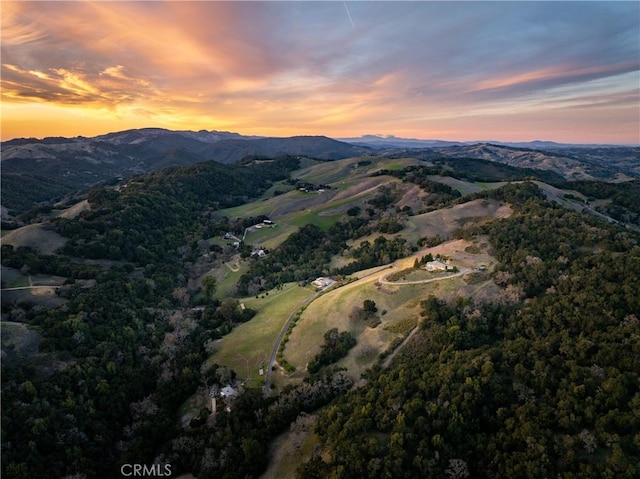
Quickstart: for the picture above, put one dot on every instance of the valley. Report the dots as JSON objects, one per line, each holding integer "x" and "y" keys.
{"x": 187, "y": 281}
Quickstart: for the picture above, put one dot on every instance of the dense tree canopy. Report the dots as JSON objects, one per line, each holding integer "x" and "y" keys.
{"x": 544, "y": 388}
{"x": 539, "y": 381}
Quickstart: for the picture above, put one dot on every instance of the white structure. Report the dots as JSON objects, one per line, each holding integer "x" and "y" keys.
{"x": 437, "y": 265}
{"x": 228, "y": 392}
{"x": 322, "y": 282}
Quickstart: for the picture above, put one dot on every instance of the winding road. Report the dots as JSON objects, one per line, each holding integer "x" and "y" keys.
{"x": 383, "y": 280}
{"x": 310, "y": 299}
{"x": 276, "y": 346}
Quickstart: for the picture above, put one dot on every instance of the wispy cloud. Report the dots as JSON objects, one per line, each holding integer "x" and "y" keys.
{"x": 320, "y": 68}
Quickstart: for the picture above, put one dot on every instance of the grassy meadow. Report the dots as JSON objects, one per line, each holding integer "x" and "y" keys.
{"x": 249, "y": 345}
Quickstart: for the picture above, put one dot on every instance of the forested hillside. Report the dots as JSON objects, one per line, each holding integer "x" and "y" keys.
{"x": 46, "y": 171}
{"x": 539, "y": 380}
{"x": 151, "y": 216}
{"x": 120, "y": 357}
{"x": 547, "y": 386}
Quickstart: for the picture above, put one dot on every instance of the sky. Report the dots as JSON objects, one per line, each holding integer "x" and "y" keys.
{"x": 504, "y": 71}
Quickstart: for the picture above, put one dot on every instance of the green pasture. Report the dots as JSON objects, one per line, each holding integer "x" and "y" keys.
{"x": 255, "y": 208}
{"x": 466, "y": 187}
{"x": 341, "y": 170}
{"x": 312, "y": 217}
{"x": 343, "y": 203}
{"x": 296, "y": 209}
{"x": 490, "y": 186}
{"x": 249, "y": 345}
{"x": 399, "y": 163}
{"x": 328, "y": 172}
{"x": 270, "y": 237}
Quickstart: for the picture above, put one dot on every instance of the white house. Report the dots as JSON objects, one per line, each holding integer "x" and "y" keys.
{"x": 322, "y": 282}
{"x": 437, "y": 265}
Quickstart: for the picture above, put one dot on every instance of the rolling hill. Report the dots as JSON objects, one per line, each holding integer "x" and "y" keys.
{"x": 40, "y": 171}
{"x": 573, "y": 163}
{"x": 530, "y": 335}
{"x": 37, "y": 172}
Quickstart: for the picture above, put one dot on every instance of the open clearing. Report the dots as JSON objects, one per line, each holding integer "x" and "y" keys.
{"x": 396, "y": 304}
{"x": 12, "y": 278}
{"x": 73, "y": 211}
{"x": 227, "y": 276}
{"x": 292, "y": 448}
{"x": 465, "y": 187}
{"x": 44, "y": 296}
{"x": 249, "y": 345}
{"x": 36, "y": 236}
{"x": 444, "y": 221}
{"x": 38, "y": 289}
{"x": 352, "y": 168}
{"x": 440, "y": 222}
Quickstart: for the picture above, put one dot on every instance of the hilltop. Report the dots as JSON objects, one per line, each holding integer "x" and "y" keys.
{"x": 40, "y": 171}
{"x": 37, "y": 172}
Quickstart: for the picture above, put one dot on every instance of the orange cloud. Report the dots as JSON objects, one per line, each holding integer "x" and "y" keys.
{"x": 284, "y": 68}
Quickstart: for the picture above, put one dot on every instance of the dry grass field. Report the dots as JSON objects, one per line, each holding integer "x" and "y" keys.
{"x": 73, "y": 211}
{"x": 465, "y": 187}
{"x": 36, "y": 236}
{"x": 292, "y": 448}
{"x": 398, "y": 306}
{"x": 444, "y": 221}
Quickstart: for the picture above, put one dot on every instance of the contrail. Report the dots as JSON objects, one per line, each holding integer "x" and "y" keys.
{"x": 348, "y": 14}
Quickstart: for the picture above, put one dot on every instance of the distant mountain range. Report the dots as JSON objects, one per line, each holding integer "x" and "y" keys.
{"x": 155, "y": 146}
{"x": 36, "y": 171}
{"x": 390, "y": 141}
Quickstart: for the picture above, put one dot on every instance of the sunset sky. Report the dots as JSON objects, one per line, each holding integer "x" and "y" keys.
{"x": 507, "y": 71}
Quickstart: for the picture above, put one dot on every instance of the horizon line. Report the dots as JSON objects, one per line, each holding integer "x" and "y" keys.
{"x": 345, "y": 139}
